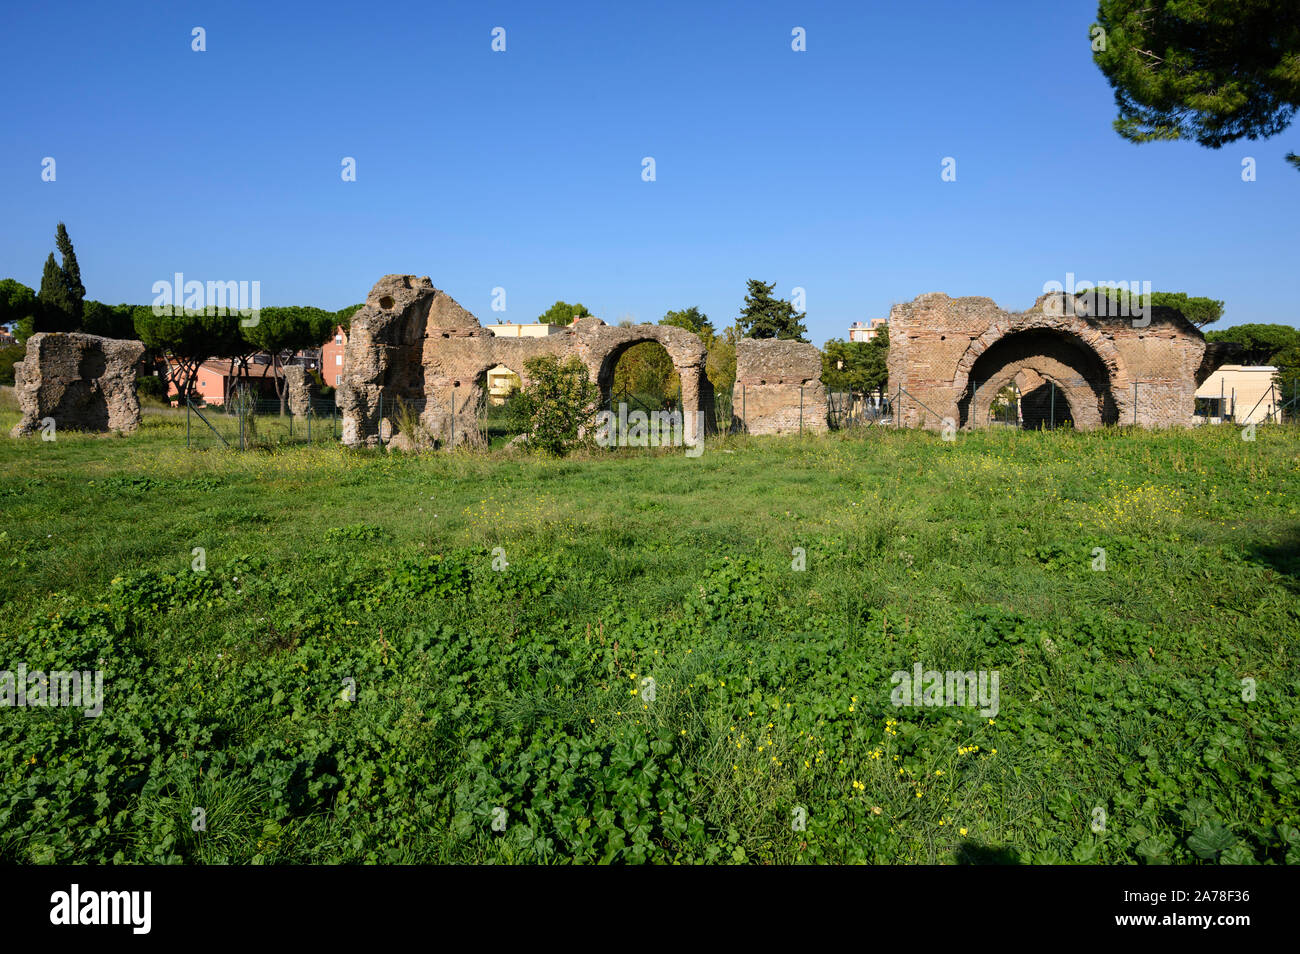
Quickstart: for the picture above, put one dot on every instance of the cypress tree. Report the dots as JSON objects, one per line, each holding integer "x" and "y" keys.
{"x": 55, "y": 304}
{"x": 71, "y": 272}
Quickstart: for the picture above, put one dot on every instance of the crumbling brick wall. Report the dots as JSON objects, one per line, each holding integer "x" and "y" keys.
{"x": 411, "y": 342}
{"x": 84, "y": 382}
{"x": 950, "y": 356}
{"x": 778, "y": 387}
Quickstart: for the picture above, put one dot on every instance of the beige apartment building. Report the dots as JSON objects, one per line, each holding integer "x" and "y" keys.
{"x": 865, "y": 331}
{"x": 535, "y": 330}
{"x": 1243, "y": 394}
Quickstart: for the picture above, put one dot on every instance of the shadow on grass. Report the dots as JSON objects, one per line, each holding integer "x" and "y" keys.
{"x": 971, "y": 853}
{"x": 1283, "y": 557}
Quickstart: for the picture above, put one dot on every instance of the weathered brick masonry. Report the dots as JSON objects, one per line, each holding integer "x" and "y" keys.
{"x": 411, "y": 342}
{"x": 84, "y": 382}
{"x": 951, "y": 356}
{"x": 778, "y": 387}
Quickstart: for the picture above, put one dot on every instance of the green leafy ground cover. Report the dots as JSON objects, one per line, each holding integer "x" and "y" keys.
{"x": 525, "y": 689}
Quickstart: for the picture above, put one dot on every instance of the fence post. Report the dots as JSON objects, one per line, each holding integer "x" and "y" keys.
{"x": 1053, "y": 420}
{"x": 744, "y": 409}
{"x": 187, "y": 423}
{"x": 801, "y": 409}
{"x": 380, "y": 427}
{"x": 1135, "y": 403}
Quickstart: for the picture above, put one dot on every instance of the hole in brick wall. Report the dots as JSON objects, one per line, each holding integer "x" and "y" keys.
{"x": 456, "y": 385}
{"x": 762, "y": 382}
{"x": 943, "y": 337}
{"x": 446, "y": 335}
{"x": 386, "y": 302}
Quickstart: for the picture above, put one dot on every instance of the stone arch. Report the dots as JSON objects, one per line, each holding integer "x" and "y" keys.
{"x": 1044, "y": 403}
{"x": 1076, "y": 401}
{"x": 1081, "y": 359}
{"x": 609, "y": 363}
{"x": 601, "y": 346}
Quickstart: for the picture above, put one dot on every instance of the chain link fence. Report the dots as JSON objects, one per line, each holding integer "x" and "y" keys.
{"x": 466, "y": 416}
{"x": 444, "y": 417}
{"x": 247, "y": 422}
{"x": 850, "y": 409}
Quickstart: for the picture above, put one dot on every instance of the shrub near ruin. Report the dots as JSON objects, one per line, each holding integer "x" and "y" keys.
{"x": 558, "y": 406}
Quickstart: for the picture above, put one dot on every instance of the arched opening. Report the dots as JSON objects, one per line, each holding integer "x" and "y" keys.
{"x": 1057, "y": 380}
{"x": 1044, "y": 405}
{"x": 499, "y": 384}
{"x": 1031, "y": 401}
{"x": 643, "y": 375}
{"x": 642, "y": 389}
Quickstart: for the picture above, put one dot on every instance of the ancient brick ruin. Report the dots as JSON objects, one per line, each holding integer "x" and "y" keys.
{"x": 778, "y": 387}
{"x": 413, "y": 349}
{"x": 300, "y": 389}
{"x": 951, "y": 357}
{"x": 415, "y": 354}
{"x": 84, "y": 382}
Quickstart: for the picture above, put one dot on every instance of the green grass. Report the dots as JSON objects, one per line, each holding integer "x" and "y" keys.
{"x": 522, "y": 689}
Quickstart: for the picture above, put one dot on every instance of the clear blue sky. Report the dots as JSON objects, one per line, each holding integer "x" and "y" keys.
{"x": 522, "y": 169}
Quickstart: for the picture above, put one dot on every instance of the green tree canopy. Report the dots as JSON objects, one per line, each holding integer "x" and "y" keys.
{"x": 287, "y": 329}
{"x": 1207, "y": 70}
{"x": 720, "y": 364}
{"x": 1199, "y": 311}
{"x": 344, "y": 317}
{"x": 858, "y": 366}
{"x": 646, "y": 370}
{"x": 693, "y": 320}
{"x": 189, "y": 338}
{"x": 111, "y": 321}
{"x": 562, "y": 313}
{"x": 17, "y": 308}
{"x": 56, "y": 309}
{"x": 1260, "y": 343}
{"x": 8, "y": 358}
{"x": 290, "y": 328}
{"x": 765, "y": 316}
{"x": 1287, "y": 379}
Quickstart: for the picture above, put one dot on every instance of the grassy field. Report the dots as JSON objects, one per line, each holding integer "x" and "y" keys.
{"x": 504, "y": 713}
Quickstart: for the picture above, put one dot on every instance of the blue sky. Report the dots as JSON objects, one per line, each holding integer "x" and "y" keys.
{"x": 522, "y": 169}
